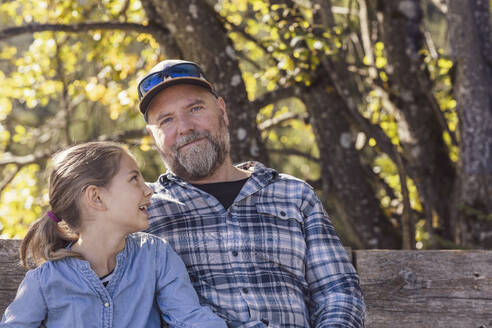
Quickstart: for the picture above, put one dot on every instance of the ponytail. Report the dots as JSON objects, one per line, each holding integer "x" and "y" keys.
{"x": 46, "y": 240}
{"x": 74, "y": 169}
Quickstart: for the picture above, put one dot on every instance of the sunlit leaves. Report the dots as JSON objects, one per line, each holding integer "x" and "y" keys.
{"x": 453, "y": 149}
{"x": 21, "y": 202}
{"x": 440, "y": 71}
{"x": 4, "y": 137}
{"x": 270, "y": 76}
{"x": 62, "y": 87}
{"x": 387, "y": 170}
{"x": 145, "y": 143}
{"x": 250, "y": 83}
{"x": 32, "y": 82}
{"x": 380, "y": 56}
{"x": 379, "y": 111}
{"x": 283, "y": 32}
{"x": 444, "y": 65}
{"x": 8, "y": 52}
{"x": 5, "y": 107}
{"x": 421, "y": 236}
{"x": 290, "y": 132}
{"x": 59, "y": 88}
{"x": 383, "y": 76}
{"x": 94, "y": 91}
{"x": 8, "y": 11}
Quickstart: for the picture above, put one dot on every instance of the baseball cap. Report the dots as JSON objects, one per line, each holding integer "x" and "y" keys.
{"x": 168, "y": 73}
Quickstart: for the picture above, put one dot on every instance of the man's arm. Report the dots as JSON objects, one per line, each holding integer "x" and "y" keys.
{"x": 336, "y": 297}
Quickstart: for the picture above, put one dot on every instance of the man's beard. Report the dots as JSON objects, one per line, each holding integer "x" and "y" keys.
{"x": 199, "y": 160}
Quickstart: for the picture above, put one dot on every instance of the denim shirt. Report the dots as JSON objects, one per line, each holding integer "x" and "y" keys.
{"x": 149, "y": 283}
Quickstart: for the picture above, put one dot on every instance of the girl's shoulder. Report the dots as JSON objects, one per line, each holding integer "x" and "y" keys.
{"x": 47, "y": 270}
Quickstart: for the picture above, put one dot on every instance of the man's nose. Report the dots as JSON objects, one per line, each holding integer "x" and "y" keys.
{"x": 185, "y": 125}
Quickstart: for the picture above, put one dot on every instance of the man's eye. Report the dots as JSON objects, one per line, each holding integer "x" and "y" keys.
{"x": 165, "y": 121}
{"x": 196, "y": 108}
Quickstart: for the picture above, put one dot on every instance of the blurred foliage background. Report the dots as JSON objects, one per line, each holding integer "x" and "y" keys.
{"x": 68, "y": 74}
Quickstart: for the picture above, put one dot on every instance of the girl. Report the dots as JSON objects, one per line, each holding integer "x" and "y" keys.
{"x": 93, "y": 268}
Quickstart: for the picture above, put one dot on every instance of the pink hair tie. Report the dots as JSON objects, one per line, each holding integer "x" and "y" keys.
{"x": 53, "y": 217}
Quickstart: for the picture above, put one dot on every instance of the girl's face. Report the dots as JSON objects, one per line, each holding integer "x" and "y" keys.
{"x": 126, "y": 198}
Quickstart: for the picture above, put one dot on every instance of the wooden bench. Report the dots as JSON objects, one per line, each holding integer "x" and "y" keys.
{"x": 403, "y": 289}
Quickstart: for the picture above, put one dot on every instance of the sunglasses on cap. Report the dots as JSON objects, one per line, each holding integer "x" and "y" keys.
{"x": 168, "y": 73}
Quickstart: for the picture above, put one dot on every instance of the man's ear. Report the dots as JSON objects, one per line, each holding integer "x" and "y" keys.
{"x": 222, "y": 108}
{"x": 93, "y": 198}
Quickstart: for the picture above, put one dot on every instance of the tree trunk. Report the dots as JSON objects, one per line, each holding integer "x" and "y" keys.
{"x": 420, "y": 130}
{"x": 343, "y": 97}
{"x": 344, "y": 182}
{"x": 469, "y": 33}
{"x": 212, "y": 49}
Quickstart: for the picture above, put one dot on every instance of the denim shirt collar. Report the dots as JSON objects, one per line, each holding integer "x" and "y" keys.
{"x": 85, "y": 268}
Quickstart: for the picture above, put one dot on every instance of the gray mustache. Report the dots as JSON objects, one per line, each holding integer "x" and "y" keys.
{"x": 192, "y": 136}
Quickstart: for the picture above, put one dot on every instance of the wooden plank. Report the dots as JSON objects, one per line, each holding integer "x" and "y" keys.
{"x": 426, "y": 289}
{"x": 11, "y": 272}
{"x": 402, "y": 288}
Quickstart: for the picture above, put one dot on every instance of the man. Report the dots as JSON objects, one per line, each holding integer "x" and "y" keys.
{"x": 258, "y": 245}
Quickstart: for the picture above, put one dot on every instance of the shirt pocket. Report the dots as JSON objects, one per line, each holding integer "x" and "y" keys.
{"x": 280, "y": 212}
{"x": 280, "y": 240}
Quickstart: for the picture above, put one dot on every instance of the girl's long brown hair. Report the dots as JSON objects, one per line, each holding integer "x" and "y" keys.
{"x": 74, "y": 169}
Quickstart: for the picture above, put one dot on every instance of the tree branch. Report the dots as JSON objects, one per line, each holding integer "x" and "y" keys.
{"x": 407, "y": 224}
{"x": 124, "y": 8}
{"x": 441, "y": 5}
{"x": 242, "y": 55}
{"x": 168, "y": 44}
{"x": 75, "y": 28}
{"x": 8, "y": 158}
{"x": 294, "y": 152}
{"x": 65, "y": 102}
{"x": 241, "y": 31}
{"x": 8, "y": 179}
{"x": 436, "y": 109}
{"x": 268, "y": 124}
{"x": 431, "y": 45}
{"x": 324, "y": 11}
{"x": 274, "y": 96}
{"x": 365, "y": 31}
{"x": 123, "y": 136}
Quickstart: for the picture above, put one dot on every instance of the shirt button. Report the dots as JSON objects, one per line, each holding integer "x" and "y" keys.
{"x": 234, "y": 253}
{"x": 245, "y": 290}
{"x": 282, "y": 213}
{"x": 106, "y": 304}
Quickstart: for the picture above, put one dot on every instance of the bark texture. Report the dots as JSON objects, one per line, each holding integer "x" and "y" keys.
{"x": 420, "y": 131}
{"x": 344, "y": 181}
{"x": 469, "y": 32}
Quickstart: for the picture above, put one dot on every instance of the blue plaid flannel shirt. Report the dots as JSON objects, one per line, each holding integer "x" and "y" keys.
{"x": 271, "y": 259}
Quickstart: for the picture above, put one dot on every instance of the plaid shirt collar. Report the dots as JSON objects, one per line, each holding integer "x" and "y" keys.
{"x": 260, "y": 177}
